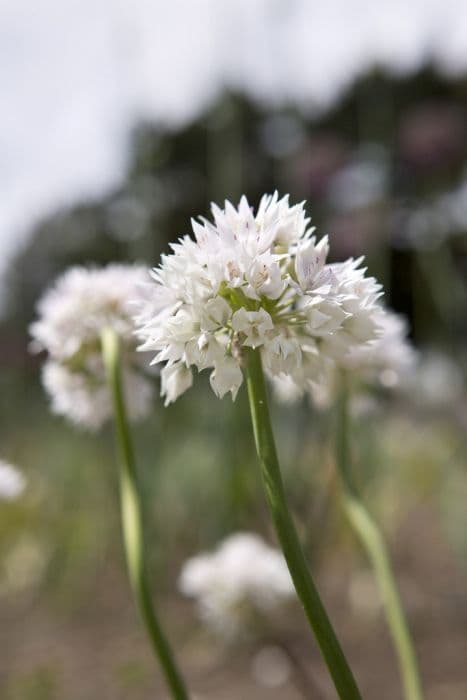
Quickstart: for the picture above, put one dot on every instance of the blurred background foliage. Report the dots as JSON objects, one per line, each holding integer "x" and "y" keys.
{"x": 385, "y": 174}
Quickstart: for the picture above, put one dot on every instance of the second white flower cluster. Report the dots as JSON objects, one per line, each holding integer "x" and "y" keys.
{"x": 72, "y": 315}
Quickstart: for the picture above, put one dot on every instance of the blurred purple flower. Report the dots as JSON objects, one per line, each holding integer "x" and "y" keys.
{"x": 317, "y": 163}
{"x": 432, "y": 135}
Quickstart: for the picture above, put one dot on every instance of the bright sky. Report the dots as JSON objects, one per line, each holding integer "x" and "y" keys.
{"x": 75, "y": 75}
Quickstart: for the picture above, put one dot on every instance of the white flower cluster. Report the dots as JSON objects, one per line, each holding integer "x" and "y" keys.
{"x": 72, "y": 315}
{"x": 12, "y": 482}
{"x": 254, "y": 281}
{"x": 239, "y": 586}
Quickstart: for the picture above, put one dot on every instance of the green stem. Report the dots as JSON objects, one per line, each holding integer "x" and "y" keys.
{"x": 286, "y": 532}
{"x": 372, "y": 540}
{"x": 132, "y": 522}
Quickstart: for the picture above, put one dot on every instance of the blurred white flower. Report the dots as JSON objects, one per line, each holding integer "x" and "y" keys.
{"x": 84, "y": 397}
{"x": 253, "y": 280}
{"x": 240, "y": 586}
{"x": 438, "y": 381}
{"x": 12, "y": 481}
{"x": 388, "y": 361}
{"x": 72, "y": 315}
{"x": 389, "y": 358}
{"x": 82, "y": 302}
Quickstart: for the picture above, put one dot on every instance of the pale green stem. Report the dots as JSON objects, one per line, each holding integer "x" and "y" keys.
{"x": 132, "y": 522}
{"x": 306, "y": 590}
{"x": 372, "y": 540}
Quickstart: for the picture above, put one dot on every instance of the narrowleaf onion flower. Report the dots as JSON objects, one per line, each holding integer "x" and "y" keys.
{"x": 12, "y": 481}
{"x": 253, "y": 281}
{"x": 239, "y": 586}
{"x": 93, "y": 374}
{"x": 72, "y": 315}
{"x": 253, "y": 293}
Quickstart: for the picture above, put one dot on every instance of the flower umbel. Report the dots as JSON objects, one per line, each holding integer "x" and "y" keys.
{"x": 72, "y": 315}
{"x": 239, "y": 586}
{"x": 253, "y": 281}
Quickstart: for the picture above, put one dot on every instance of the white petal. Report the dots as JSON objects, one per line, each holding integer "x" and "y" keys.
{"x": 227, "y": 376}
{"x": 175, "y": 380}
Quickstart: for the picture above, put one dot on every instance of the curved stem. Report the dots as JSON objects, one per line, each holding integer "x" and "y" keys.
{"x": 372, "y": 539}
{"x": 306, "y": 590}
{"x": 132, "y": 522}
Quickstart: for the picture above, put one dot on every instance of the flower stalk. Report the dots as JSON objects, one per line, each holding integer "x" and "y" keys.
{"x": 306, "y": 590}
{"x": 372, "y": 540}
{"x": 132, "y": 521}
